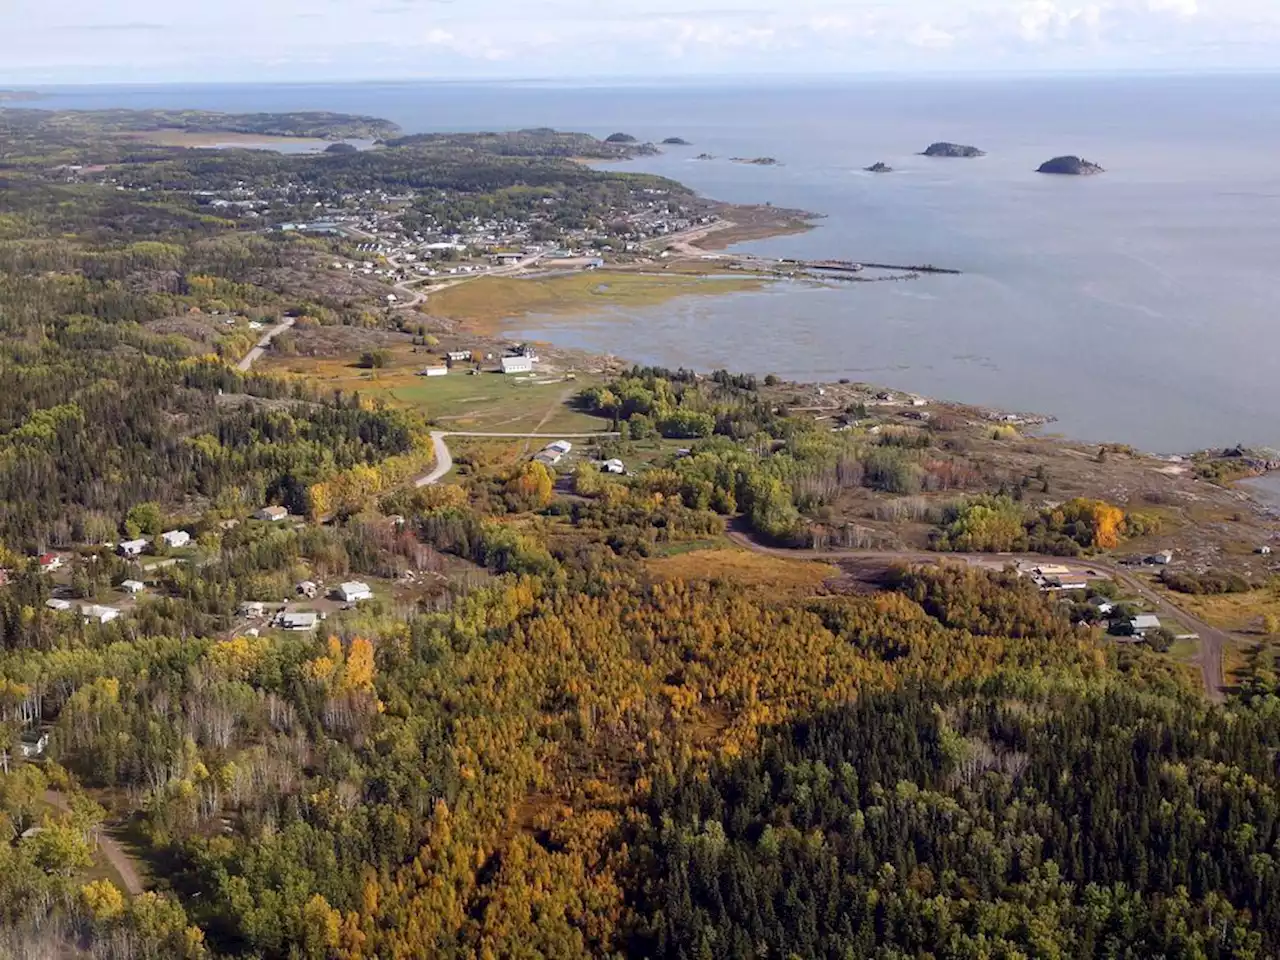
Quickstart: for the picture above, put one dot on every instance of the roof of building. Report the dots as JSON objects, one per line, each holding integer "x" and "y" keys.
{"x": 1146, "y": 621}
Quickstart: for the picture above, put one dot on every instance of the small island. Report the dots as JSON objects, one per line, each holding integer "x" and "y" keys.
{"x": 1070, "y": 167}
{"x": 342, "y": 148}
{"x": 756, "y": 161}
{"x": 880, "y": 167}
{"x": 705, "y": 156}
{"x": 676, "y": 142}
{"x": 944, "y": 149}
{"x": 620, "y": 138}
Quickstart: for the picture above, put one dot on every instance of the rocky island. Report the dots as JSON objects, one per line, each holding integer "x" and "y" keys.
{"x": 341, "y": 147}
{"x": 1070, "y": 167}
{"x": 676, "y": 142}
{"x": 620, "y": 138}
{"x": 944, "y": 149}
{"x": 705, "y": 156}
{"x": 880, "y": 167}
{"x": 756, "y": 161}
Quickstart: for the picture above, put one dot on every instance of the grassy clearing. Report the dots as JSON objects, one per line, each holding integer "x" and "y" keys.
{"x": 488, "y": 303}
{"x": 489, "y": 401}
{"x": 778, "y": 577}
{"x": 1239, "y": 612}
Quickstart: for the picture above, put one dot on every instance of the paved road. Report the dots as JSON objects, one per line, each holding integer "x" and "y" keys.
{"x": 1212, "y": 640}
{"x": 252, "y": 356}
{"x": 115, "y": 854}
{"x": 444, "y": 459}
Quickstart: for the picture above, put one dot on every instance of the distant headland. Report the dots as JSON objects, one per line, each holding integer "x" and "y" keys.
{"x": 676, "y": 142}
{"x": 1070, "y": 166}
{"x": 944, "y": 149}
{"x": 620, "y": 138}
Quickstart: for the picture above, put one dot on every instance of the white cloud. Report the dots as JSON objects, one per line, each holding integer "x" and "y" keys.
{"x": 158, "y": 39}
{"x": 929, "y": 37}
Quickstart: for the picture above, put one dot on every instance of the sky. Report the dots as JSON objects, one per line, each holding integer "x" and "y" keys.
{"x": 108, "y": 41}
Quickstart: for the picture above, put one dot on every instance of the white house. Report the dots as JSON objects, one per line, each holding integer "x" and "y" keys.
{"x": 1264, "y": 551}
{"x": 273, "y": 514}
{"x": 253, "y": 608}
{"x": 298, "y": 622}
{"x": 93, "y": 613}
{"x": 174, "y": 539}
{"x": 435, "y": 371}
{"x": 517, "y": 365}
{"x": 1102, "y": 605}
{"x": 133, "y": 548}
{"x": 1144, "y": 622}
{"x": 54, "y": 603}
{"x": 50, "y": 562}
{"x": 31, "y": 744}
{"x": 561, "y": 447}
{"x": 308, "y": 589}
{"x": 458, "y": 356}
{"x": 133, "y": 586}
{"x": 354, "y": 592}
{"x": 615, "y": 466}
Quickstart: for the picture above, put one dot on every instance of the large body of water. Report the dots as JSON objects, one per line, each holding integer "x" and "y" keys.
{"x": 1139, "y": 306}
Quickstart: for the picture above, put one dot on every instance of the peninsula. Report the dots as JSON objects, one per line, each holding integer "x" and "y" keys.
{"x": 1070, "y": 166}
{"x": 944, "y": 149}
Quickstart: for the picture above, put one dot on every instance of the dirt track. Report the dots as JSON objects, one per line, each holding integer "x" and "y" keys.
{"x": 115, "y": 854}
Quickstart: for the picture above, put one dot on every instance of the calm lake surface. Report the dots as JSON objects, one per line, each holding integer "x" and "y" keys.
{"x": 1139, "y": 306}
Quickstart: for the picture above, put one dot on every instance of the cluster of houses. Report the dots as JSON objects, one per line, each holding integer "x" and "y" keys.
{"x": 303, "y": 621}
{"x": 519, "y": 361}
{"x": 172, "y": 539}
{"x": 91, "y": 612}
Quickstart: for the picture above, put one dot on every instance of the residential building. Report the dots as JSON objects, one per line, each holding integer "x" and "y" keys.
{"x": 308, "y": 589}
{"x": 354, "y": 592}
{"x": 1102, "y": 605}
{"x": 434, "y": 371}
{"x": 1066, "y": 583}
{"x": 32, "y": 744}
{"x": 175, "y": 539}
{"x": 50, "y": 562}
{"x": 58, "y": 604}
{"x": 253, "y": 608}
{"x": 517, "y": 365}
{"x": 273, "y": 514}
{"x": 1144, "y": 622}
{"x": 458, "y": 356}
{"x": 561, "y": 447}
{"x": 1052, "y": 570}
{"x": 297, "y": 621}
{"x": 615, "y": 466}
{"x": 133, "y": 586}
{"x": 94, "y": 613}
{"x": 133, "y": 548}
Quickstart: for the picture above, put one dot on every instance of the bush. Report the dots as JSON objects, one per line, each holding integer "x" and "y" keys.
{"x": 1213, "y": 582}
{"x": 375, "y": 359}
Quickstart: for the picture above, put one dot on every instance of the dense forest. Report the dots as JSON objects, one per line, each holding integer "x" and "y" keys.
{"x": 557, "y": 729}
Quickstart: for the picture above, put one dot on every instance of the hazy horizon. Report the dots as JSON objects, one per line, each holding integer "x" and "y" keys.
{"x": 262, "y": 41}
